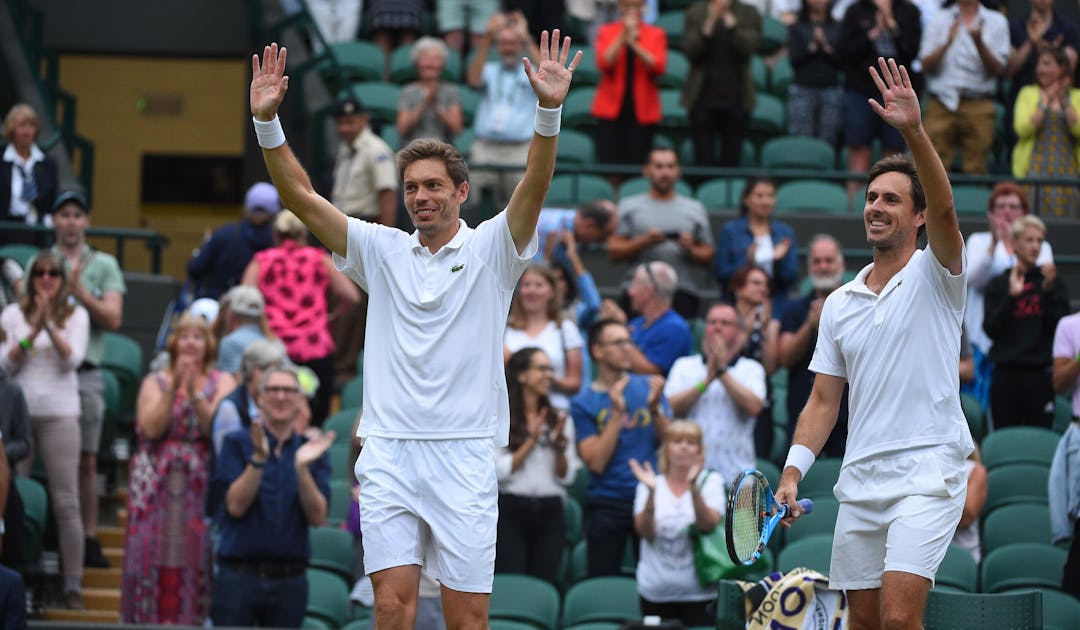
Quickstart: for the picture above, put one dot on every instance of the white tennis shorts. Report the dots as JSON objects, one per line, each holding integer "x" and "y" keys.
{"x": 434, "y": 503}
{"x": 897, "y": 513}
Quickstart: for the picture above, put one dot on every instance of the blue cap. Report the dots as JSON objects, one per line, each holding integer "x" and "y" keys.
{"x": 71, "y": 196}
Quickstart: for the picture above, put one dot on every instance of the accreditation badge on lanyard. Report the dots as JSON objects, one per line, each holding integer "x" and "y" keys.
{"x": 504, "y": 100}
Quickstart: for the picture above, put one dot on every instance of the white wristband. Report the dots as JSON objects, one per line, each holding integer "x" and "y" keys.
{"x": 800, "y": 457}
{"x": 548, "y": 121}
{"x": 269, "y": 133}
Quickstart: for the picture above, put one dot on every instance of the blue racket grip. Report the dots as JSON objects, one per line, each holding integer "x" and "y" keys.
{"x": 807, "y": 505}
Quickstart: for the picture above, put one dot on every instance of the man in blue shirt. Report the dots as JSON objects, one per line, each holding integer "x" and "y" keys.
{"x": 278, "y": 485}
{"x": 619, "y": 418}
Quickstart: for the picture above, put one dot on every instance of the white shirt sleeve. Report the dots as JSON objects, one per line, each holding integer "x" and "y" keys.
{"x": 827, "y": 358}
{"x": 360, "y": 250}
{"x": 495, "y": 246}
{"x": 682, "y": 375}
{"x": 953, "y": 288}
{"x": 571, "y": 335}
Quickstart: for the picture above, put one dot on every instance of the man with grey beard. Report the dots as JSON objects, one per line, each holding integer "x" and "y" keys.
{"x": 798, "y": 335}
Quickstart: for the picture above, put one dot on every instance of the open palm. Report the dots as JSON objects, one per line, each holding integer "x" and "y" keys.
{"x": 268, "y": 82}
{"x": 901, "y": 105}
{"x": 551, "y": 78}
{"x": 314, "y": 448}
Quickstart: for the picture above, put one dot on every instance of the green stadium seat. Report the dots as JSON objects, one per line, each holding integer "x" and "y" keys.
{"x": 577, "y": 106}
{"x": 470, "y": 100}
{"x": 612, "y": 599}
{"x": 814, "y": 553}
{"x": 822, "y": 522}
{"x": 403, "y": 70}
{"x": 596, "y": 625}
{"x": 576, "y": 147}
{"x": 352, "y": 392}
{"x": 959, "y": 570}
{"x": 314, "y": 623}
{"x": 767, "y": 468}
{"x": 1063, "y": 414}
{"x": 35, "y": 515}
{"x": 570, "y": 191}
{"x": 975, "y": 415}
{"x": 19, "y": 253}
{"x": 328, "y": 597}
{"x": 341, "y": 423}
{"x": 798, "y": 152}
{"x": 673, "y": 114}
{"x": 640, "y": 185}
{"x": 674, "y": 24}
{"x": 1019, "y": 445}
{"x": 390, "y": 136}
{"x": 380, "y": 99}
{"x": 811, "y": 195}
{"x": 980, "y": 611}
{"x": 578, "y": 567}
{"x": 780, "y": 77}
{"x": 971, "y": 199}
{"x": 463, "y": 141}
{"x": 112, "y": 393}
{"x": 340, "y": 458}
{"x": 1015, "y": 483}
{"x": 574, "y": 516}
{"x": 821, "y": 478}
{"x": 508, "y": 624}
{"x": 723, "y": 193}
{"x": 340, "y": 501}
{"x": 675, "y": 72}
{"x": 525, "y": 599}
{"x": 587, "y": 72}
{"x": 332, "y": 550}
{"x": 124, "y": 357}
{"x": 362, "y": 620}
{"x": 773, "y": 36}
{"x": 767, "y": 120}
{"x": 358, "y": 60}
{"x": 1022, "y": 565}
{"x": 759, "y": 72}
{"x": 1019, "y": 522}
{"x": 1061, "y": 611}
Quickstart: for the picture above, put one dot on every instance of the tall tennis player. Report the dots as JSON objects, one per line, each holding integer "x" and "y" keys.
{"x": 435, "y": 401}
{"x": 893, "y": 334}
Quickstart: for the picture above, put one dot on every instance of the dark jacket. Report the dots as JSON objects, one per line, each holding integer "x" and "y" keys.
{"x": 1022, "y": 327}
{"x": 745, "y": 37}
{"x": 813, "y": 68}
{"x": 47, "y": 179}
{"x": 221, "y": 261}
{"x": 14, "y": 421}
{"x": 857, "y": 52}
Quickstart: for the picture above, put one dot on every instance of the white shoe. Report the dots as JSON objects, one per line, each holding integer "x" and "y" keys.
{"x": 363, "y": 593}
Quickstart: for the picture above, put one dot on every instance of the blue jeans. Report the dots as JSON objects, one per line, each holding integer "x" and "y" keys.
{"x": 247, "y": 599}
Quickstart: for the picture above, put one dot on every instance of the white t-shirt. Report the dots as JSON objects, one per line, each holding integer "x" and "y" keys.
{"x": 899, "y": 352}
{"x": 554, "y": 340}
{"x": 665, "y": 570}
{"x": 536, "y": 477}
{"x": 728, "y": 430}
{"x": 433, "y": 360}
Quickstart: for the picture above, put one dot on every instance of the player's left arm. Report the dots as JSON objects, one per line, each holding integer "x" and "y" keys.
{"x": 550, "y": 81}
{"x": 901, "y": 110}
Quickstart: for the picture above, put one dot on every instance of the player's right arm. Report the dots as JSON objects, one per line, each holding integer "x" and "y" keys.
{"x": 268, "y": 87}
{"x": 815, "y": 424}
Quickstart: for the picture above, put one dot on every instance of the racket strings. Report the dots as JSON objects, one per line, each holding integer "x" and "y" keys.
{"x": 748, "y": 518}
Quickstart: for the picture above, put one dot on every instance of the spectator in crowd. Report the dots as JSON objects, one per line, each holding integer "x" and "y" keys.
{"x": 12, "y": 591}
{"x": 97, "y": 284}
{"x": 621, "y": 417}
{"x": 536, "y": 321}
{"x": 503, "y": 125}
{"x": 631, "y": 56}
{"x": 337, "y": 20}
{"x": 1023, "y": 306}
{"x": 239, "y": 407}
{"x": 294, "y": 278}
{"x": 1066, "y": 367}
{"x": 758, "y": 319}
{"x": 719, "y": 39}
{"x": 963, "y": 52}
{"x": 785, "y": 11}
{"x": 683, "y": 495}
{"x": 990, "y": 254}
{"x": 592, "y": 222}
{"x": 659, "y": 333}
{"x": 219, "y": 264}
{"x": 759, "y": 239}
{"x": 722, "y": 391}
{"x": 662, "y": 225}
{"x": 1048, "y": 134}
{"x": 815, "y": 96}
{"x": 167, "y": 548}
{"x": 532, "y": 470}
{"x": 587, "y": 16}
{"x": 458, "y": 19}
{"x": 365, "y": 182}
{"x": 1063, "y": 487}
{"x": 245, "y": 323}
{"x": 581, "y": 298}
{"x": 967, "y": 531}
{"x": 872, "y": 29}
{"x": 798, "y": 335}
{"x": 28, "y": 177}
{"x": 429, "y": 107}
{"x": 278, "y": 484}
{"x": 46, "y": 335}
{"x": 15, "y": 429}
{"x": 541, "y": 14}
{"x": 11, "y": 274}
{"x": 395, "y": 22}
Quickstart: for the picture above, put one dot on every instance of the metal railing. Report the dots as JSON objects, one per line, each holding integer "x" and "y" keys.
{"x": 154, "y": 241}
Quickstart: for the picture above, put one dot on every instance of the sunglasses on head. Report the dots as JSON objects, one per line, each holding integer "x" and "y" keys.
{"x": 52, "y": 273}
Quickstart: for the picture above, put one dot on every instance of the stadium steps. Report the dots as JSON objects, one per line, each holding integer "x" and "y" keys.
{"x": 82, "y": 616}
{"x": 101, "y": 587}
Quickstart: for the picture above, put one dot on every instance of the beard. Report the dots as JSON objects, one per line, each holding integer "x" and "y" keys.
{"x": 827, "y": 283}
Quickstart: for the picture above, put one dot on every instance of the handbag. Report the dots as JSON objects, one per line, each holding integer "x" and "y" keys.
{"x": 711, "y": 560}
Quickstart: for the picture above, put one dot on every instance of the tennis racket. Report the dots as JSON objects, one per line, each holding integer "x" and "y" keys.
{"x": 752, "y": 515}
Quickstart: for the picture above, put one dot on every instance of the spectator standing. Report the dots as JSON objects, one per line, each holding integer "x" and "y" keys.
{"x": 815, "y": 97}
{"x": 246, "y": 323}
{"x": 278, "y": 486}
{"x": 294, "y": 279}
{"x": 395, "y": 22}
{"x": 666, "y": 505}
{"x": 798, "y": 336}
{"x": 15, "y": 429}
{"x": 619, "y": 418}
{"x": 28, "y": 177}
{"x": 963, "y": 52}
{"x": 757, "y": 238}
{"x": 631, "y": 56}
{"x": 541, "y": 14}
{"x": 503, "y": 124}
{"x": 1023, "y": 306}
{"x": 659, "y": 333}
{"x": 722, "y": 392}
{"x": 1047, "y": 126}
{"x": 11, "y": 274}
{"x": 458, "y": 19}
{"x": 429, "y": 107}
{"x": 532, "y": 470}
{"x": 990, "y": 254}
{"x": 1063, "y": 487}
{"x": 662, "y": 225}
{"x": 592, "y": 222}
{"x": 240, "y": 406}
{"x": 719, "y": 39}
{"x": 756, "y": 313}
{"x": 167, "y": 548}
{"x": 46, "y": 335}
{"x": 581, "y": 298}
{"x": 872, "y": 29}
{"x": 97, "y": 284}
{"x": 337, "y": 20}
{"x": 219, "y": 264}
{"x": 365, "y": 184}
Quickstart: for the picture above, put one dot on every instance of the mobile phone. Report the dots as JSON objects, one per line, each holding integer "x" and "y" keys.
{"x": 672, "y": 234}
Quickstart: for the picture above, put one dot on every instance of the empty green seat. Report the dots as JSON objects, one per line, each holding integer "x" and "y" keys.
{"x": 341, "y": 423}
{"x": 1019, "y": 445}
{"x": 332, "y": 549}
{"x": 822, "y": 522}
{"x": 721, "y": 193}
{"x": 1019, "y": 522}
{"x": 1061, "y": 611}
{"x": 340, "y": 458}
{"x": 767, "y": 468}
{"x": 314, "y": 623}
{"x": 463, "y": 141}
{"x": 814, "y": 552}
{"x": 573, "y": 515}
{"x": 674, "y": 24}
{"x": 19, "y": 253}
{"x": 675, "y": 72}
{"x": 576, "y": 147}
{"x": 380, "y": 100}
{"x": 470, "y": 100}
{"x": 821, "y": 478}
{"x": 587, "y": 72}
{"x": 390, "y": 136}
{"x": 983, "y": 611}
{"x": 759, "y": 73}
{"x": 1015, "y": 483}
{"x": 971, "y": 199}
{"x": 640, "y": 185}
{"x": 767, "y": 119}
{"x": 1062, "y": 414}
{"x": 569, "y": 191}
{"x": 577, "y": 106}
{"x": 959, "y": 570}
{"x": 780, "y": 77}
{"x": 340, "y": 501}
{"x": 357, "y": 60}
{"x": 673, "y": 115}
{"x": 975, "y": 415}
{"x": 35, "y": 515}
{"x": 328, "y": 597}
{"x": 611, "y": 598}
{"x": 799, "y": 152}
{"x": 773, "y": 35}
{"x": 352, "y": 393}
{"x": 1022, "y": 565}
{"x": 524, "y": 598}
{"x": 124, "y": 357}
{"x": 810, "y": 195}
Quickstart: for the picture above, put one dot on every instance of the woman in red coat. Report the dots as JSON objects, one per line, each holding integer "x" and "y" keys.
{"x": 631, "y": 56}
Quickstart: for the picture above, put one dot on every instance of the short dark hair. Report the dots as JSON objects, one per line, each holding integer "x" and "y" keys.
{"x": 597, "y": 329}
{"x": 901, "y": 164}
{"x": 598, "y": 211}
{"x": 657, "y": 148}
{"x": 429, "y": 149}
{"x": 748, "y": 188}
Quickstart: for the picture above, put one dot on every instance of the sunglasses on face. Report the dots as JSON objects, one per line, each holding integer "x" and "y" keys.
{"x": 52, "y": 273}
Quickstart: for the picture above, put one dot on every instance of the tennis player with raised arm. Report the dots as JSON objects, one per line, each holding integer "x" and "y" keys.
{"x": 893, "y": 334}
{"x": 435, "y": 402}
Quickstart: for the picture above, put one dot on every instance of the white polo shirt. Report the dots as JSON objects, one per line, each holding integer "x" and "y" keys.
{"x": 899, "y": 352}
{"x": 433, "y": 361}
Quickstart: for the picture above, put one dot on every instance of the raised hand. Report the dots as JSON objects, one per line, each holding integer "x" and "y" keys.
{"x": 258, "y": 441}
{"x": 1016, "y": 281}
{"x": 314, "y": 448}
{"x": 644, "y": 473}
{"x": 656, "y": 389}
{"x": 1049, "y": 271}
{"x": 268, "y": 82}
{"x": 550, "y": 80}
{"x": 901, "y": 104}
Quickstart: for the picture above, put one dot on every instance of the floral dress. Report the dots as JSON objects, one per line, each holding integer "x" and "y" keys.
{"x": 1054, "y": 155}
{"x": 167, "y": 550}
